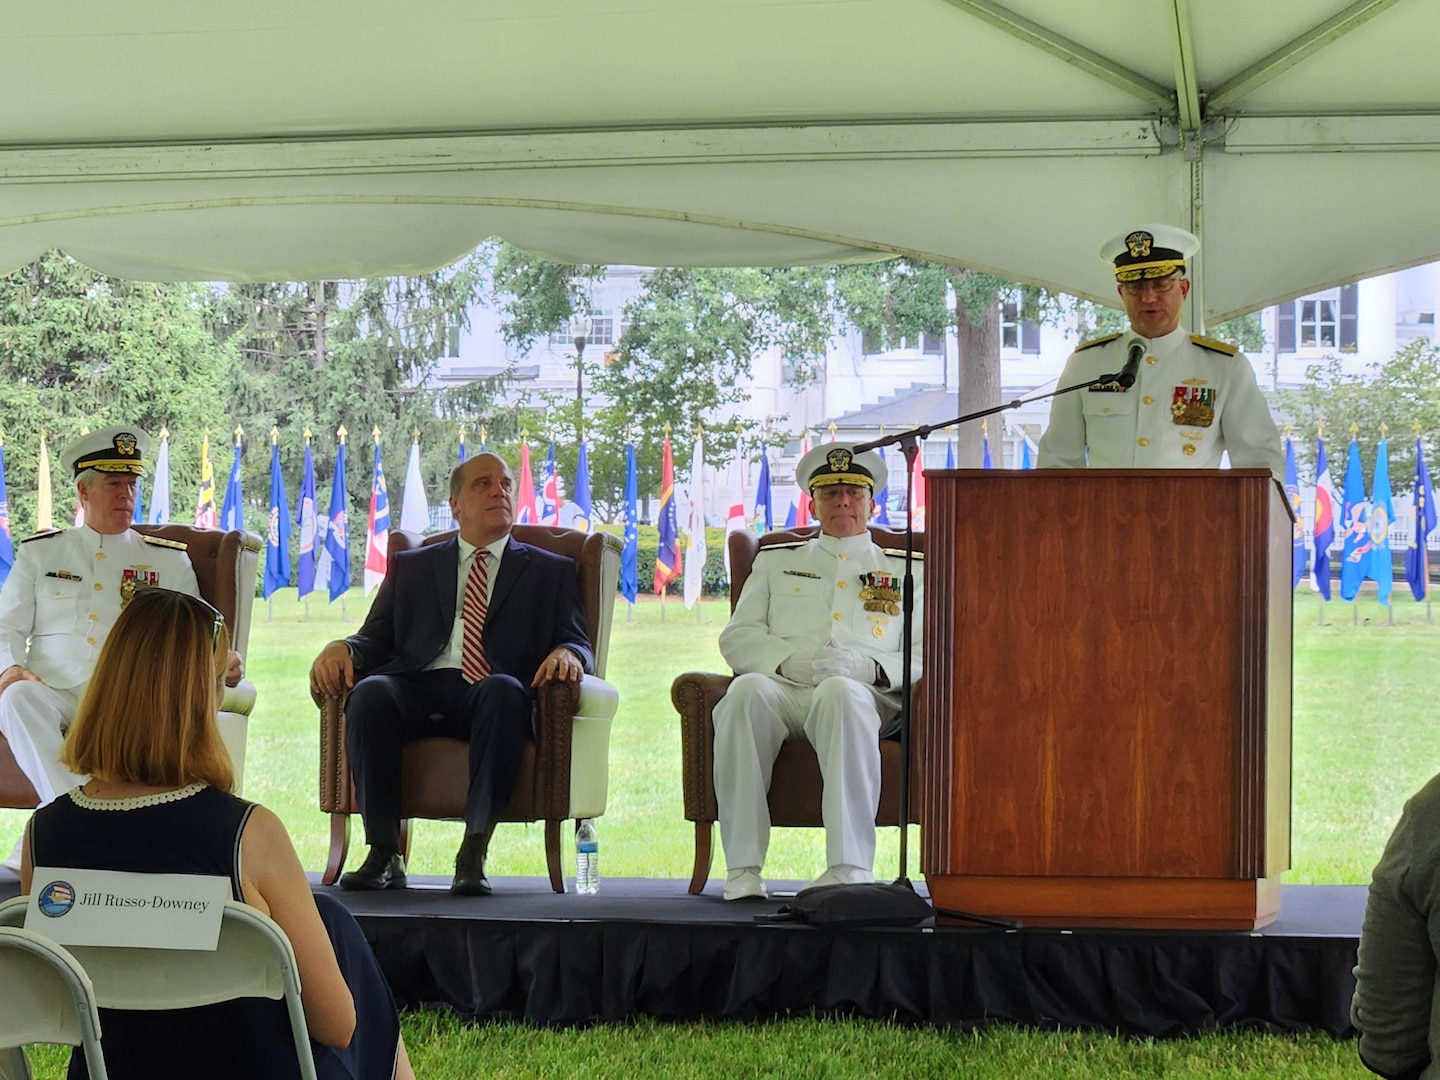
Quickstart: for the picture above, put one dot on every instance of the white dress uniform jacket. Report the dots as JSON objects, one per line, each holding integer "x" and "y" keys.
{"x": 803, "y": 596}
{"x": 65, "y": 593}
{"x": 1193, "y": 400}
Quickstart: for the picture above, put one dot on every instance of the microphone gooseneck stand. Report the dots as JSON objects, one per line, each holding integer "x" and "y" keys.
{"x": 909, "y": 444}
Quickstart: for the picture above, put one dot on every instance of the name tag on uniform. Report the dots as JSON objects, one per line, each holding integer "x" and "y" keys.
{"x": 138, "y": 911}
{"x": 801, "y": 573}
{"x": 63, "y": 575}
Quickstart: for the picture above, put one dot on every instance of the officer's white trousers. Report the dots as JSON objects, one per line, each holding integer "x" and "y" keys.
{"x": 842, "y": 719}
{"x": 33, "y": 717}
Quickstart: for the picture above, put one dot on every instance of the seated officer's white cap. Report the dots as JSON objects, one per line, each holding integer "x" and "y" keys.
{"x": 1149, "y": 251}
{"x": 836, "y": 463}
{"x": 109, "y": 450}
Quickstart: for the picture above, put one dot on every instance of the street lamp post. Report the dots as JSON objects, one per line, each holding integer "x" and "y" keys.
{"x": 581, "y": 328}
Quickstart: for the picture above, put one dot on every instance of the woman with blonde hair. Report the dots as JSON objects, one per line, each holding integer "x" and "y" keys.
{"x": 158, "y": 801}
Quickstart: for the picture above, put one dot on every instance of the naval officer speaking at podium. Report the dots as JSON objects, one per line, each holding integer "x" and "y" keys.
{"x": 1180, "y": 400}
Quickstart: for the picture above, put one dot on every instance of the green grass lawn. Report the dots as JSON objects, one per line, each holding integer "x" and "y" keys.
{"x": 1364, "y": 740}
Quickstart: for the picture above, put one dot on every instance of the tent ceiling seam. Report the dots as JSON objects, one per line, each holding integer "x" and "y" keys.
{"x": 1072, "y": 52}
{"x": 1187, "y": 86}
{"x": 1292, "y": 53}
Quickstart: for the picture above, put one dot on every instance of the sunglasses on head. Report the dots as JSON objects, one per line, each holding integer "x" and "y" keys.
{"x": 203, "y": 606}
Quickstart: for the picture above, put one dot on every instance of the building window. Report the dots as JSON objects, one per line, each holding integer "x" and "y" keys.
{"x": 1018, "y": 333}
{"x": 872, "y": 342}
{"x": 602, "y": 332}
{"x": 1319, "y": 324}
{"x": 452, "y": 340}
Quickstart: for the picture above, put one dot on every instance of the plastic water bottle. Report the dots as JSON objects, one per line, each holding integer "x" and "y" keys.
{"x": 587, "y": 859}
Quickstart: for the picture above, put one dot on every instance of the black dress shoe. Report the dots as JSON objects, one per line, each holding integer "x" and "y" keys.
{"x": 382, "y": 869}
{"x": 470, "y": 879}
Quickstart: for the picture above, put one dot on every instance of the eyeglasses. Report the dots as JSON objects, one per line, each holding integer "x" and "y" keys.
{"x": 1160, "y": 286}
{"x": 202, "y": 605}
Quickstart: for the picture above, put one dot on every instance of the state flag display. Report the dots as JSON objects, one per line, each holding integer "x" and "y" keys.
{"x": 7, "y": 546}
{"x": 917, "y": 496}
{"x": 1422, "y": 523}
{"x": 1026, "y": 462}
{"x": 802, "y": 511}
{"x": 1355, "y": 525}
{"x": 1292, "y": 492}
{"x": 1381, "y": 568}
{"x": 764, "y": 513}
{"x": 695, "y": 528}
{"x": 1323, "y": 533}
{"x": 525, "y": 509}
{"x": 309, "y": 526}
{"x": 377, "y": 532}
{"x": 630, "y": 554}
{"x": 205, "y": 501}
{"x": 138, "y": 517}
{"x": 669, "y": 563}
{"x": 414, "y": 509}
{"x": 44, "y": 513}
{"x": 462, "y": 445}
{"x": 550, "y": 492}
{"x": 232, "y": 514}
{"x": 160, "y": 489}
{"x": 735, "y": 519}
{"x": 334, "y": 566}
{"x": 584, "y": 513}
{"x": 277, "y": 535}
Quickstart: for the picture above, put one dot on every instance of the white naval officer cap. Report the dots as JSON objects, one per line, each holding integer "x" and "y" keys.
{"x": 110, "y": 450}
{"x": 1150, "y": 251}
{"x": 837, "y": 463}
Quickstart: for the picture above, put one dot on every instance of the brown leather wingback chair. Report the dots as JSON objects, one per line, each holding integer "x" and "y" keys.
{"x": 224, "y": 565}
{"x": 565, "y": 768}
{"x": 795, "y": 784}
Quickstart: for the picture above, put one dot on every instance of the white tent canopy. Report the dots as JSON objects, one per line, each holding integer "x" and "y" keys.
{"x": 166, "y": 139}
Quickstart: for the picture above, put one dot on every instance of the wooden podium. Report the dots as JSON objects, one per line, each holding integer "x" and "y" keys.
{"x": 1105, "y": 739}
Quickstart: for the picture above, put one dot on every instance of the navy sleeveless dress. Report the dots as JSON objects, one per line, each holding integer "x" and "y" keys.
{"x": 196, "y": 830}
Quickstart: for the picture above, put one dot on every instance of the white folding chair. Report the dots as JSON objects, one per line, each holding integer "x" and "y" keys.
{"x": 253, "y": 959}
{"x": 45, "y": 997}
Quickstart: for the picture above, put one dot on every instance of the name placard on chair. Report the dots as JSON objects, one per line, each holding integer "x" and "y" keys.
{"x": 138, "y": 911}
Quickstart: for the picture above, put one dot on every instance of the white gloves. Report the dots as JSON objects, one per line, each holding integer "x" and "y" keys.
{"x": 799, "y": 667}
{"x": 808, "y": 666}
{"x": 846, "y": 662}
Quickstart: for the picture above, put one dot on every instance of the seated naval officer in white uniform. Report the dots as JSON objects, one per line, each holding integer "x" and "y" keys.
{"x": 1193, "y": 398}
{"x": 815, "y": 645}
{"x": 63, "y": 595}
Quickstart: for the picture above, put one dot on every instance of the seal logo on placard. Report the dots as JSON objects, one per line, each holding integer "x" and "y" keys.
{"x": 56, "y": 899}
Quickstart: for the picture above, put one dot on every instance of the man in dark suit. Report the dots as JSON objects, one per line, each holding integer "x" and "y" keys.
{"x": 459, "y": 636}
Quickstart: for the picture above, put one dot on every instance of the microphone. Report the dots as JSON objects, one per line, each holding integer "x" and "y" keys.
{"x": 1135, "y": 350}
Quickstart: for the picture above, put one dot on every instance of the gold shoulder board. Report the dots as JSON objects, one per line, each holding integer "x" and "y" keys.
{"x": 1213, "y": 345}
{"x": 46, "y": 534}
{"x": 1095, "y": 341}
{"x": 782, "y": 547}
{"x": 160, "y": 541}
{"x": 899, "y": 553}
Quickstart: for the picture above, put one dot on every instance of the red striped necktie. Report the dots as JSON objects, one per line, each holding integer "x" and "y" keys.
{"x": 474, "y": 664}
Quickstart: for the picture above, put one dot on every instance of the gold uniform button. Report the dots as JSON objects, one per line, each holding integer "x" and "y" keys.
{"x": 94, "y": 618}
{"x": 99, "y": 556}
{"x": 98, "y": 586}
{"x": 89, "y": 641}
{"x": 1149, "y": 359}
{"x": 1106, "y": 409}
{"x": 841, "y": 584}
{"x": 840, "y": 557}
{"x": 837, "y": 616}
{"x": 1144, "y": 442}
{"x": 1147, "y": 400}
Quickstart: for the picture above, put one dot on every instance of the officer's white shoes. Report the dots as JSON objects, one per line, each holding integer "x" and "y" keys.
{"x": 745, "y": 883}
{"x": 844, "y": 874}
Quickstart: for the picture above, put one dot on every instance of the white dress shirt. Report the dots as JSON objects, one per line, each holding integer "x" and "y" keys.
{"x": 451, "y": 657}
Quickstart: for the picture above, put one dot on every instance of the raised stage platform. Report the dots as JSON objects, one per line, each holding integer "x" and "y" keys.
{"x": 646, "y": 947}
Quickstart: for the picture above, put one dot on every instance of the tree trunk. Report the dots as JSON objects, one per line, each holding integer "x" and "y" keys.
{"x": 977, "y": 335}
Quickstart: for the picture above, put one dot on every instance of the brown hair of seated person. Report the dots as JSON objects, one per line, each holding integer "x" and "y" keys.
{"x": 160, "y": 672}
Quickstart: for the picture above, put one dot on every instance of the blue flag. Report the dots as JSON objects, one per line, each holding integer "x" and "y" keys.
{"x": 1422, "y": 522}
{"x": 160, "y": 489}
{"x": 950, "y": 453}
{"x": 550, "y": 492}
{"x": 1025, "y": 462}
{"x": 305, "y": 518}
{"x": 462, "y": 446}
{"x": 232, "y": 514}
{"x": 986, "y": 461}
{"x": 277, "y": 536}
{"x": 1355, "y": 523}
{"x": 1292, "y": 492}
{"x": 790, "y": 517}
{"x": 583, "y": 512}
{"x": 137, "y": 518}
{"x": 337, "y": 532}
{"x": 630, "y": 556}
{"x": 764, "y": 516}
{"x": 7, "y": 548}
{"x": 1382, "y": 513}
{"x": 1324, "y": 530}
